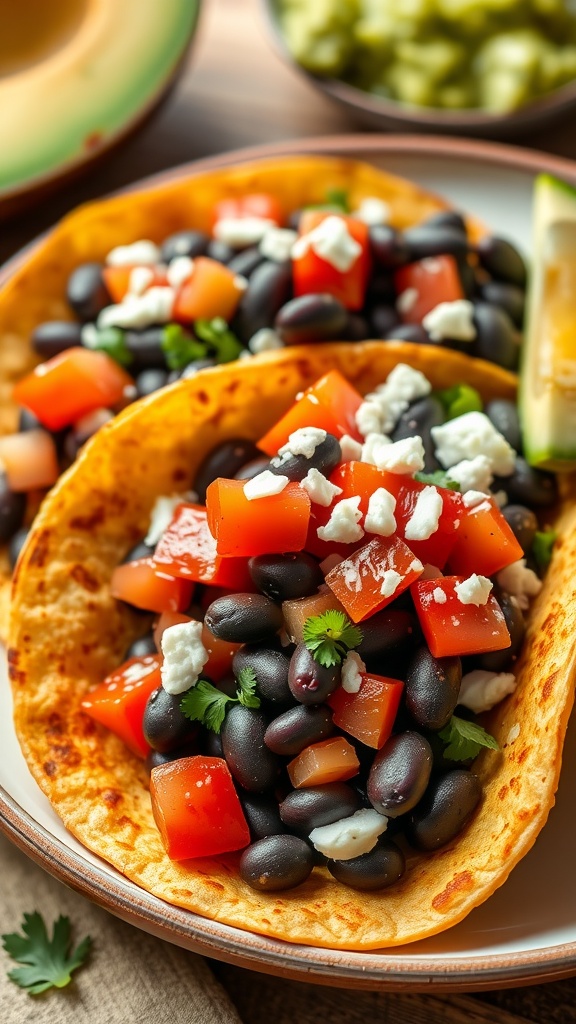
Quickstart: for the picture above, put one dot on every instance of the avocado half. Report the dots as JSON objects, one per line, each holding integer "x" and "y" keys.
{"x": 548, "y": 371}
{"x": 67, "y": 108}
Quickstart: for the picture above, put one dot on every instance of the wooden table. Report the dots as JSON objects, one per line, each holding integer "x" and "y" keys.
{"x": 235, "y": 92}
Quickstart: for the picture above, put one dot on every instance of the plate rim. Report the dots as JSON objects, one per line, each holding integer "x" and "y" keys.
{"x": 370, "y": 970}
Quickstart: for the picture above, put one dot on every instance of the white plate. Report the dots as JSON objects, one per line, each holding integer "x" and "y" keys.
{"x": 526, "y": 930}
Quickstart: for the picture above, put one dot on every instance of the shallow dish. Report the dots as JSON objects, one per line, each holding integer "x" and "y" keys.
{"x": 527, "y": 931}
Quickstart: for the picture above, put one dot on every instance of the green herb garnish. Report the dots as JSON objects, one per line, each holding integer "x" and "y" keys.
{"x": 112, "y": 341}
{"x": 465, "y": 739}
{"x": 338, "y": 199}
{"x": 542, "y": 547}
{"x": 459, "y": 400}
{"x": 180, "y": 348}
{"x": 48, "y": 963}
{"x": 330, "y": 636}
{"x": 206, "y": 704}
{"x": 439, "y": 478}
{"x": 218, "y": 335}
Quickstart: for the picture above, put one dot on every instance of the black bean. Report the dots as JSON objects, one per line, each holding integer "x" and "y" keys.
{"x": 191, "y": 369}
{"x": 467, "y": 276}
{"x": 502, "y": 661}
{"x": 285, "y": 577}
{"x": 504, "y": 415}
{"x": 141, "y": 647}
{"x": 327, "y": 455}
{"x": 28, "y": 421}
{"x": 220, "y": 251}
{"x": 149, "y": 381}
{"x": 508, "y": 297}
{"x": 268, "y": 289}
{"x": 386, "y": 631}
{"x": 12, "y": 510}
{"x": 16, "y": 542}
{"x": 400, "y": 773}
{"x": 245, "y": 262}
{"x": 305, "y": 809}
{"x": 252, "y": 468}
{"x": 425, "y": 240}
{"x": 357, "y": 329}
{"x": 310, "y": 682}
{"x": 388, "y": 246}
{"x": 276, "y": 863}
{"x": 86, "y": 292}
{"x": 146, "y": 350}
{"x": 243, "y": 618}
{"x": 270, "y": 663}
{"x": 502, "y": 260}
{"x": 211, "y": 743}
{"x": 523, "y": 524}
{"x": 140, "y": 550}
{"x": 297, "y": 728}
{"x": 262, "y": 815}
{"x": 250, "y": 761}
{"x": 528, "y": 486}
{"x": 184, "y": 243}
{"x": 155, "y": 758}
{"x": 450, "y": 219}
{"x": 383, "y": 320}
{"x": 164, "y": 725}
{"x": 378, "y": 869}
{"x": 381, "y": 289}
{"x": 408, "y": 332}
{"x": 223, "y": 461}
{"x": 432, "y": 687}
{"x": 55, "y": 336}
{"x": 497, "y": 340}
{"x": 418, "y": 420}
{"x": 445, "y": 810}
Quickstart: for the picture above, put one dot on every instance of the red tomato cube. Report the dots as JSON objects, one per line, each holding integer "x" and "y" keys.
{"x": 332, "y": 760}
{"x": 255, "y": 204}
{"x": 373, "y": 576}
{"x": 484, "y": 542}
{"x": 432, "y": 280}
{"x": 29, "y": 460}
{"x": 188, "y": 549}
{"x": 211, "y": 291}
{"x": 330, "y": 404}
{"x": 438, "y": 546}
{"x": 270, "y": 525}
{"x": 362, "y": 479}
{"x": 453, "y": 628}
{"x": 196, "y": 808}
{"x": 142, "y": 584}
{"x": 117, "y": 280}
{"x": 314, "y": 275}
{"x": 119, "y": 702}
{"x": 368, "y": 715}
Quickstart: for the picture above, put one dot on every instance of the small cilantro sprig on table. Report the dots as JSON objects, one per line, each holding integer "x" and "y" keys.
{"x": 207, "y": 704}
{"x": 48, "y": 963}
{"x": 465, "y": 739}
{"x": 439, "y": 478}
{"x": 330, "y": 636}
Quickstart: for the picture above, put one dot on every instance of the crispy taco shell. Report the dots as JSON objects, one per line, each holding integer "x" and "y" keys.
{"x": 67, "y": 632}
{"x": 36, "y": 291}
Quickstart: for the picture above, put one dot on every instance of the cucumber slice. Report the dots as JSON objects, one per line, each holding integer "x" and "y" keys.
{"x": 548, "y": 371}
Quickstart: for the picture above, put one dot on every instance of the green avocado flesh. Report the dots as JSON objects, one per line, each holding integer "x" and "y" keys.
{"x": 548, "y": 372}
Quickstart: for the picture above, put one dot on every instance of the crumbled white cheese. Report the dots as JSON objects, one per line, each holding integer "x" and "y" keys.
{"x": 89, "y": 335}
{"x": 405, "y": 456}
{"x": 391, "y": 580}
{"x": 277, "y": 244}
{"x": 153, "y": 307}
{"x": 342, "y": 527}
{"x": 352, "y": 666}
{"x": 320, "y": 490}
{"x": 402, "y": 386}
{"x": 140, "y": 279}
{"x": 184, "y": 656}
{"x": 473, "y": 474}
{"x": 520, "y": 582}
{"x": 265, "y": 340}
{"x": 179, "y": 270}
{"x": 439, "y": 595}
{"x": 240, "y": 282}
{"x": 372, "y": 447}
{"x": 470, "y": 435}
{"x": 500, "y": 498}
{"x": 162, "y": 514}
{"x": 349, "y": 837}
{"x": 303, "y": 442}
{"x": 372, "y": 211}
{"x": 380, "y": 517}
{"x": 264, "y": 485}
{"x": 425, "y": 516}
{"x": 138, "y": 253}
{"x": 473, "y": 498}
{"x": 351, "y": 449}
{"x": 92, "y": 421}
{"x": 242, "y": 231}
{"x": 481, "y": 691}
{"x": 332, "y": 242}
{"x": 369, "y": 418}
{"x": 453, "y": 320}
{"x": 406, "y": 300}
{"x": 330, "y": 562}
{"x": 474, "y": 590}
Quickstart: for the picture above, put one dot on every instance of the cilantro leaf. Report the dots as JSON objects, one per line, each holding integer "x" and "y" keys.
{"x": 112, "y": 341}
{"x": 542, "y": 545}
{"x": 330, "y": 636}
{"x": 439, "y": 478}
{"x": 217, "y": 334}
{"x": 179, "y": 347}
{"x": 338, "y": 198}
{"x": 460, "y": 399}
{"x": 48, "y": 962}
{"x": 465, "y": 739}
{"x": 246, "y": 692}
{"x": 207, "y": 704}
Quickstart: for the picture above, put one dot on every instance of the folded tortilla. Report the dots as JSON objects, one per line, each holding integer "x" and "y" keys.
{"x": 36, "y": 291}
{"x": 67, "y": 633}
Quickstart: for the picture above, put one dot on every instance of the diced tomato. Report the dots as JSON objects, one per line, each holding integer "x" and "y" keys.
{"x": 484, "y": 542}
{"x": 314, "y": 275}
{"x": 29, "y": 459}
{"x": 256, "y": 204}
{"x": 332, "y": 760}
{"x": 330, "y": 404}
{"x": 166, "y": 620}
{"x": 362, "y": 479}
{"x": 374, "y": 576}
{"x": 211, "y": 291}
{"x": 432, "y": 280}
{"x": 368, "y": 715}
{"x": 188, "y": 549}
{"x": 65, "y": 388}
{"x": 196, "y": 808}
{"x": 296, "y": 612}
{"x": 119, "y": 702}
{"x": 438, "y": 546}
{"x": 117, "y": 279}
{"x": 141, "y": 584}
{"x": 220, "y": 654}
{"x": 453, "y": 628}
{"x": 262, "y": 526}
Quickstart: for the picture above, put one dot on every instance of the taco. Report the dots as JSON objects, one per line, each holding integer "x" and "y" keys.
{"x": 68, "y": 632}
{"x": 58, "y": 294}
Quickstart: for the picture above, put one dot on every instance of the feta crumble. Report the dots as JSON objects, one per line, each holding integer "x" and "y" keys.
{"x": 140, "y": 279}
{"x": 426, "y": 514}
{"x": 332, "y": 242}
{"x": 439, "y": 595}
{"x": 351, "y": 449}
{"x": 373, "y": 211}
{"x": 391, "y": 580}
{"x": 474, "y": 590}
{"x": 303, "y": 442}
{"x": 184, "y": 656}
{"x": 473, "y": 474}
{"x": 277, "y": 244}
{"x": 402, "y": 386}
{"x": 264, "y": 485}
{"x": 137, "y": 253}
{"x": 320, "y": 490}
{"x": 349, "y": 837}
{"x": 470, "y": 435}
{"x": 453, "y": 320}
{"x": 162, "y": 514}
{"x": 406, "y": 300}
{"x": 405, "y": 456}
{"x": 372, "y": 446}
{"x": 369, "y": 418}
{"x": 520, "y": 582}
{"x": 179, "y": 270}
{"x": 242, "y": 231}
{"x": 352, "y": 666}
{"x": 380, "y": 517}
{"x": 473, "y": 498}
{"x": 153, "y": 307}
{"x": 481, "y": 691}
{"x": 265, "y": 340}
{"x": 342, "y": 526}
